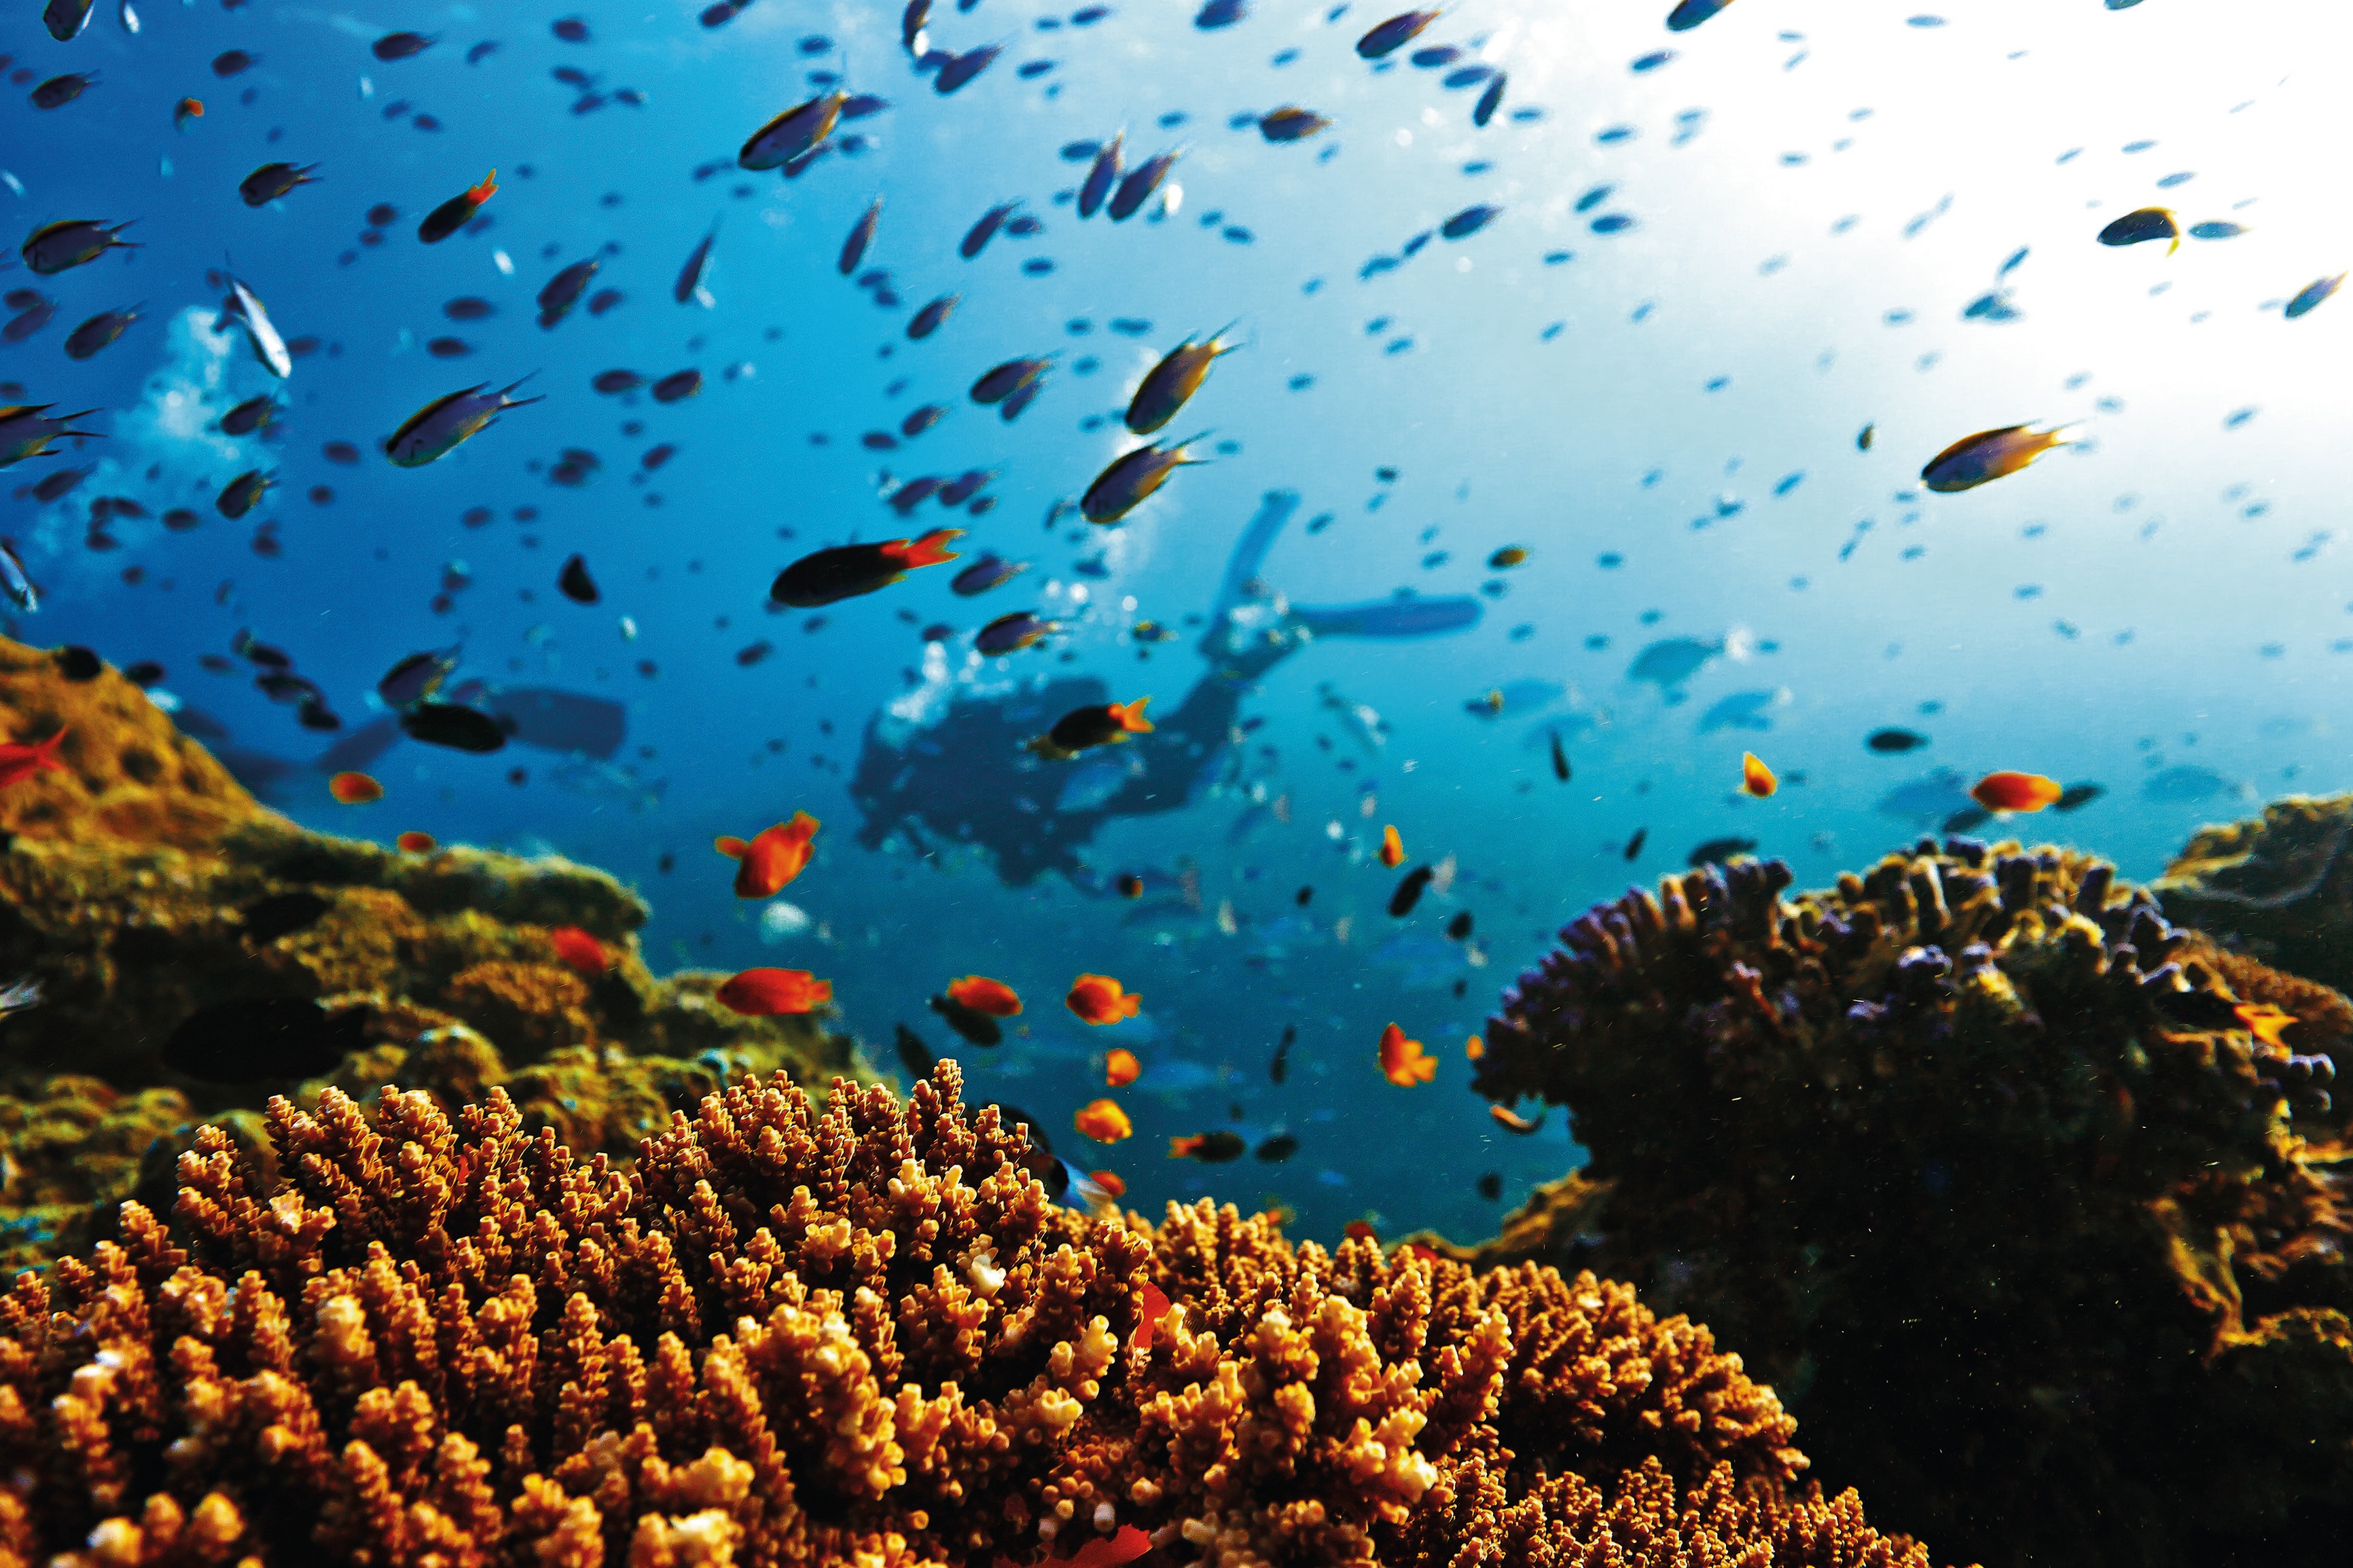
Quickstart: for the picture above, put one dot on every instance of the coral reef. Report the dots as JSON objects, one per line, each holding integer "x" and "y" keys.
{"x": 1976, "y": 1160}
{"x": 856, "y": 1335}
{"x": 129, "y": 776}
{"x": 196, "y": 952}
{"x": 2278, "y": 887}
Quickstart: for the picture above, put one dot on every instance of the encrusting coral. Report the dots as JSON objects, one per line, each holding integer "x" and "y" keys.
{"x": 2000, "y": 1177}
{"x": 158, "y": 904}
{"x": 856, "y": 1335}
{"x": 2279, "y": 885}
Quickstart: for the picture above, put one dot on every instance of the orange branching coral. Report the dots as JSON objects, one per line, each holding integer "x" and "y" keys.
{"x": 859, "y": 1335}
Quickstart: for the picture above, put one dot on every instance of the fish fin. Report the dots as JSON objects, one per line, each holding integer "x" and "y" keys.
{"x": 727, "y": 843}
{"x": 507, "y": 401}
{"x": 929, "y": 550}
{"x": 480, "y": 194}
{"x": 1131, "y": 716}
{"x": 802, "y": 827}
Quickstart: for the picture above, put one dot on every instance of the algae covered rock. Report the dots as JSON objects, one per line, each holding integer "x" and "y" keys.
{"x": 2279, "y": 885}
{"x": 197, "y": 952}
{"x": 128, "y": 775}
{"x": 2023, "y": 1197}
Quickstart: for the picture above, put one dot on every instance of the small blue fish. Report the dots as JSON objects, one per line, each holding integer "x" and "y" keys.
{"x": 1290, "y": 123}
{"x": 1130, "y": 480}
{"x": 2140, "y": 228}
{"x": 2309, "y": 297}
{"x": 991, "y": 571}
{"x": 418, "y": 677}
{"x": 1101, "y": 177}
{"x": 961, "y": 68}
{"x": 27, "y": 430}
{"x": 1690, "y": 14}
{"x": 932, "y": 317}
{"x": 1468, "y": 221}
{"x": 1003, "y": 381}
{"x": 1218, "y": 13}
{"x": 1388, "y": 37}
{"x": 2216, "y": 229}
{"x": 1612, "y": 223}
{"x": 979, "y": 235}
{"x": 853, "y": 250}
{"x": 1139, "y": 185}
{"x": 689, "y": 286}
{"x": 70, "y": 242}
{"x": 1010, "y": 634}
{"x": 792, "y": 134}
{"x": 1490, "y": 101}
{"x": 435, "y": 429}
{"x": 241, "y": 494}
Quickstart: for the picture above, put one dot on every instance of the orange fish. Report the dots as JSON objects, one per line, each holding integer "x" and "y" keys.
{"x": 1104, "y": 1121}
{"x": 1111, "y": 1550}
{"x": 1181, "y": 1148}
{"x": 760, "y": 992}
{"x": 1149, "y": 1310}
{"x": 771, "y": 858}
{"x": 2266, "y": 1024}
{"x": 414, "y": 843}
{"x": 1098, "y": 999}
{"x": 578, "y": 949}
{"x": 18, "y": 762}
{"x": 982, "y": 994}
{"x": 1402, "y": 1061}
{"x": 187, "y": 109}
{"x": 1120, "y": 1068}
{"x": 1130, "y": 885}
{"x": 1756, "y": 778}
{"x": 354, "y": 789}
{"x": 1513, "y": 1121}
{"x": 1109, "y": 1182}
{"x": 1392, "y": 847}
{"x": 2015, "y": 791}
{"x": 1474, "y": 1048}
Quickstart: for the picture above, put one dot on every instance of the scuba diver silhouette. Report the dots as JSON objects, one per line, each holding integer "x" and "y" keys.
{"x": 949, "y": 765}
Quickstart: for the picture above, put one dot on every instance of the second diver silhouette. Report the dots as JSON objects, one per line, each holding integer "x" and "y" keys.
{"x": 947, "y": 764}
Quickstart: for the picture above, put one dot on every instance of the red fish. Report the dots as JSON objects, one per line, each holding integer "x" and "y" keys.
{"x": 2015, "y": 791}
{"x": 415, "y": 843}
{"x": 578, "y": 949}
{"x": 19, "y": 762}
{"x": 982, "y": 994}
{"x": 762, "y": 993}
{"x": 773, "y": 858}
{"x": 1149, "y": 1310}
{"x": 1100, "y": 999}
{"x": 1392, "y": 847}
{"x": 1756, "y": 780}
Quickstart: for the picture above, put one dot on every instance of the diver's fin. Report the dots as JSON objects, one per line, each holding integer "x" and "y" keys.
{"x": 1415, "y": 618}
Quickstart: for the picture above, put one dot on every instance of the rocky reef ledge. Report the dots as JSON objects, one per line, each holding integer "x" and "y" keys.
{"x": 197, "y": 952}
{"x": 2032, "y": 1203}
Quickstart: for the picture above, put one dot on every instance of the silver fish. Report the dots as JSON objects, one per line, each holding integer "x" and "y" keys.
{"x": 267, "y": 346}
{"x": 433, "y": 430}
{"x": 15, "y": 583}
{"x": 20, "y": 994}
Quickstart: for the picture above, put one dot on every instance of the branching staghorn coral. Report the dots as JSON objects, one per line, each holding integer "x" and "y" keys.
{"x": 1978, "y": 1158}
{"x": 856, "y": 1335}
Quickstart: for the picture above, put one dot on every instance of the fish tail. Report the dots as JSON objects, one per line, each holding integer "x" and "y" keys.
{"x": 480, "y": 194}
{"x": 1131, "y": 716}
{"x": 930, "y": 549}
{"x": 1177, "y": 448}
{"x": 46, "y": 753}
{"x": 507, "y": 399}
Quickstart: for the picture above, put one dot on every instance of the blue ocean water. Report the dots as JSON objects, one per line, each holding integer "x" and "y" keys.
{"x": 1716, "y": 257}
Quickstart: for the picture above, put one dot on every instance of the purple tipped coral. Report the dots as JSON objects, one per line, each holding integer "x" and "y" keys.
{"x": 1981, "y": 1126}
